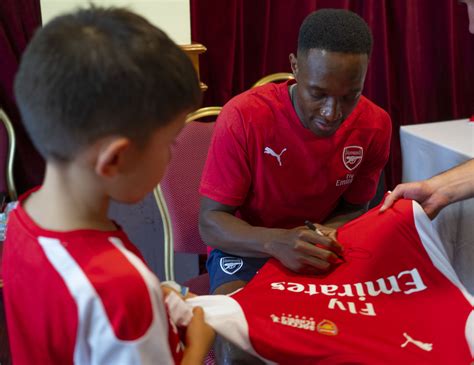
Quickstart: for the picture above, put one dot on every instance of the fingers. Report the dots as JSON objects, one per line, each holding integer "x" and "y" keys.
{"x": 431, "y": 209}
{"x": 166, "y": 290}
{"x": 198, "y": 313}
{"x": 190, "y": 295}
{"x": 315, "y": 263}
{"x": 314, "y": 252}
{"x": 432, "y": 214}
{"x": 396, "y": 194}
{"x": 331, "y": 233}
{"x": 315, "y": 238}
{"x": 167, "y": 287}
{"x": 327, "y": 239}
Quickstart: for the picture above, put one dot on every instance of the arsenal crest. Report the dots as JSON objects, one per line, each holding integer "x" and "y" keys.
{"x": 230, "y": 265}
{"x": 352, "y": 156}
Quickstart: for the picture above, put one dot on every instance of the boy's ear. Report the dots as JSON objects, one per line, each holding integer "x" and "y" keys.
{"x": 111, "y": 157}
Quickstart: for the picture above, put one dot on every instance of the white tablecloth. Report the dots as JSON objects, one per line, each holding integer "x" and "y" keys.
{"x": 427, "y": 150}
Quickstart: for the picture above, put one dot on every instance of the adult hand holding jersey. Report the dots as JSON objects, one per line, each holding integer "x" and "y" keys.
{"x": 437, "y": 192}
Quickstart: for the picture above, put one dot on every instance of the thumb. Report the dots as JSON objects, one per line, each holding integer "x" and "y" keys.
{"x": 388, "y": 201}
{"x": 430, "y": 210}
{"x": 198, "y": 313}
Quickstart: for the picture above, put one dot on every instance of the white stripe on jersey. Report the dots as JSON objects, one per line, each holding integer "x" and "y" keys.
{"x": 434, "y": 247}
{"x": 470, "y": 332}
{"x": 226, "y": 316}
{"x": 96, "y": 342}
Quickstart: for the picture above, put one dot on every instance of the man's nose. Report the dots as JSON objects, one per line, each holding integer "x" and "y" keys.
{"x": 331, "y": 110}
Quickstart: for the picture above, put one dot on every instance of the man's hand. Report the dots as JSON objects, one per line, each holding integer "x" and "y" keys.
{"x": 199, "y": 339}
{"x": 305, "y": 251}
{"x": 424, "y": 192}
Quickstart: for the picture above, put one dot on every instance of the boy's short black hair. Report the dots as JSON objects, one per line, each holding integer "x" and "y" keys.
{"x": 99, "y": 72}
{"x": 335, "y": 30}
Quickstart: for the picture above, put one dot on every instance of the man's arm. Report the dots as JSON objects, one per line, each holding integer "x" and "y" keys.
{"x": 437, "y": 192}
{"x": 300, "y": 249}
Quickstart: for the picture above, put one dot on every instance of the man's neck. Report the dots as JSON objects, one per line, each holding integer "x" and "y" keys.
{"x": 69, "y": 199}
{"x": 292, "y": 92}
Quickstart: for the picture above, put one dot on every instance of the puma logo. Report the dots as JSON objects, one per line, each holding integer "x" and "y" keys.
{"x": 421, "y": 345}
{"x": 269, "y": 151}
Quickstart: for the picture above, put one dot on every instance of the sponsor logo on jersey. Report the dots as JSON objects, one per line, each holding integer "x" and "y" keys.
{"x": 419, "y": 344}
{"x": 352, "y": 156}
{"x": 346, "y": 180}
{"x": 327, "y": 327}
{"x": 295, "y": 321}
{"x": 352, "y": 297}
{"x": 230, "y": 265}
{"x": 406, "y": 282}
{"x": 270, "y": 152}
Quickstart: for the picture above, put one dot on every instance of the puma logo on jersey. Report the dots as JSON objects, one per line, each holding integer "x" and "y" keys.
{"x": 269, "y": 151}
{"x": 421, "y": 345}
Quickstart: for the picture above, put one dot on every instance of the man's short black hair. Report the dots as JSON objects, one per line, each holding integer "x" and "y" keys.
{"x": 99, "y": 72}
{"x": 335, "y": 30}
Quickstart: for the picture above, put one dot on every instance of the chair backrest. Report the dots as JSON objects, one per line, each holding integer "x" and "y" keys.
{"x": 177, "y": 196}
{"x": 279, "y": 76}
{"x": 7, "y": 189}
{"x": 7, "y": 151}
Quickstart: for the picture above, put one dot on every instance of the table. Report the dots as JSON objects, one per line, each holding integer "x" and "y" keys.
{"x": 427, "y": 150}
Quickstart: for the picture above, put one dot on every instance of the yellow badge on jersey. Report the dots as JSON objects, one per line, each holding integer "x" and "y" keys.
{"x": 327, "y": 327}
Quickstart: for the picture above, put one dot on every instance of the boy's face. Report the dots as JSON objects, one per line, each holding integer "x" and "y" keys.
{"x": 144, "y": 166}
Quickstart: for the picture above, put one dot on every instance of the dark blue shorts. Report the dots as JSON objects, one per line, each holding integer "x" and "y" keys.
{"x": 223, "y": 267}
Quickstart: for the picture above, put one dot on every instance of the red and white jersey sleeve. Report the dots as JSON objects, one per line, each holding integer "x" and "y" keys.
{"x": 82, "y": 297}
{"x": 228, "y": 171}
{"x": 396, "y": 300}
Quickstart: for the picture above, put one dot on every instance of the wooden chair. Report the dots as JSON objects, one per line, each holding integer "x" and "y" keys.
{"x": 276, "y": 77}
{"x": 178, "y": 198}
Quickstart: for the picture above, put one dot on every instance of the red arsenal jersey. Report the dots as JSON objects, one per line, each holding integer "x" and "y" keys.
{"x": 279, "y": 173}
{"x": 83, "y": 297}
{"x": 396, "y": 300}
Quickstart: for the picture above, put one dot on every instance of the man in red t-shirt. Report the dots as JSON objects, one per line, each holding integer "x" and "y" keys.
{"x": 283, "y": 154}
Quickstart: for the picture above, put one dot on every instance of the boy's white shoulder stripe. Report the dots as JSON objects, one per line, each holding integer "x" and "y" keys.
{"x": 96, "y": 342}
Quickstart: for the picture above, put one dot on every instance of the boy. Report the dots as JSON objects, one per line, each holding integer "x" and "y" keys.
{"x": 102, "y": 94}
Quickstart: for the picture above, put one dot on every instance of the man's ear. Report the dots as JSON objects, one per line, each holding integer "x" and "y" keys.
{"x": 294, "y": 65}
{"x": 111, "y": 156}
